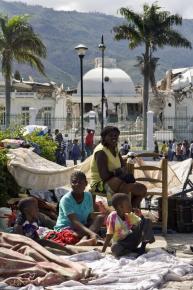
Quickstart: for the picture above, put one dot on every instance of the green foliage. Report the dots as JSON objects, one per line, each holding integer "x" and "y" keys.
{"x": 11, "y": 133}
{"x": 153, "y": 28}
{"x": 47, "y": 146}
{"x": 8, "y": 186}
{"x": 25, "y": 46}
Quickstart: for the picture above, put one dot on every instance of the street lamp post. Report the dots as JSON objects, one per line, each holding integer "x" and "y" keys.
{"x": 81, "y": 50}
{"x": 102, "y": 48}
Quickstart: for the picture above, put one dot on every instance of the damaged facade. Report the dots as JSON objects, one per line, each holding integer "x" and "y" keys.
{"x": 48, "y": 100}
{"x": 173, "y": 107}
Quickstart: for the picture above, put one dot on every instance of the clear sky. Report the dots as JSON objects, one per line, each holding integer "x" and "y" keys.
{"x": 182, "y": 7}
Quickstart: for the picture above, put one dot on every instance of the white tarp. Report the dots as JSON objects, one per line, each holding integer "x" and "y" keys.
{"x": 34, "y": 172}
{"x": 148, "y": 272}
{"x": 42, "y": 130}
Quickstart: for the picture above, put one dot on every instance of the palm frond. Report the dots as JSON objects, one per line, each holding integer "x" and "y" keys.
{"x": 132, "y": 17}
{"x": 31, "y": 59}
{"x": 174, "y": 39}
{"x": 128, "y": 32}
{"x": 31, "y": 42}
{"x": 3, "y": 24}
{"x": 19, "y": 42}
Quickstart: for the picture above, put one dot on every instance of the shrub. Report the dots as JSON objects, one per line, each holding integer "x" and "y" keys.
{"x": 8, "y": 186}
{"x": 46, "y": 145}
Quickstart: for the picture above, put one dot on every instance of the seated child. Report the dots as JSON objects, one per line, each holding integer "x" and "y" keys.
{"x": 76, "y": 211}
{"x": 126, "y": 229}
{"x": 28, "y": 221}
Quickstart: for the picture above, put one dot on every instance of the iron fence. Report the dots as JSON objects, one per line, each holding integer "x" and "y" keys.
{"x": 132, "y": 131}
{"x": 178, "y": 128}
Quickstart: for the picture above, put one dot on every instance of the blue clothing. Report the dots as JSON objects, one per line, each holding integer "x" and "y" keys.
{"x": 68, "y": 205}
{"x": 29, "y": 229}
{"x": 75, "y": 153}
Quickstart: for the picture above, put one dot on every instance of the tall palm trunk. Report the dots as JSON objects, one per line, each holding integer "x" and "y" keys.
{"x": 153, "y": 82}
{"x": 145, "y": 94}
{"x": 8, "y": 100}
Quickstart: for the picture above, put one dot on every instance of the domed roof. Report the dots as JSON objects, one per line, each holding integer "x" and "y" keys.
{"x": 116, "y": 83}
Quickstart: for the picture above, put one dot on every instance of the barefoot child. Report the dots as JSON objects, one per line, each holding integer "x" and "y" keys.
{"x": 76, "y": 211}
{"x": 126, "y": 229}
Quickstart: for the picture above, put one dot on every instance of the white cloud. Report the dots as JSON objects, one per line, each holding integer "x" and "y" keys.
{"x": 184, "y": 8}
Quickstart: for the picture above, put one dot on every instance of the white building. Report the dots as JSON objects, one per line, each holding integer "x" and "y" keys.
{"x": 46, "y": 100}
{"x": 122, "y": 100}
{"x": 57, "y": 109}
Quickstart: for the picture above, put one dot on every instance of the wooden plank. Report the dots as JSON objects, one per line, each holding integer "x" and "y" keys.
{"x": 148, "y": 154}
{"x": 147, "y": 167}
{"x": 152, "y": 180}
{"x": 154, "y": 193}
{"x": 164, "y": 196}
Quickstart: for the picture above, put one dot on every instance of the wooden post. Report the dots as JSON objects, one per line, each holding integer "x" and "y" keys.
{"x": 130, "y": 169}
{"x": 164, "y": 195}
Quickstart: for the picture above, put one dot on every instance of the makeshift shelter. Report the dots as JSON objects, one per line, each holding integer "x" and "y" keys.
{"x": 34, "y": 172}
{"x": 146, "y": 272}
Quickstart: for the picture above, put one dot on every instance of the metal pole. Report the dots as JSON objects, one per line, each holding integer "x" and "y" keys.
{"x": 82, "y": 108}
{"x": 103, "y": 91}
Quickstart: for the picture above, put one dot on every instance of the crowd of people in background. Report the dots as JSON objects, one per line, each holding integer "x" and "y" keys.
{"x": 71, "y": 149}
{"x": 177, "y": 151}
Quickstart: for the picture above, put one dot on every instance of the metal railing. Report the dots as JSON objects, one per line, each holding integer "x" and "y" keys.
{"x": 132, "y": 131}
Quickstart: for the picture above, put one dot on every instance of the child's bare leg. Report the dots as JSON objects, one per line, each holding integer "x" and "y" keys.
{"x": 87, "y": 242}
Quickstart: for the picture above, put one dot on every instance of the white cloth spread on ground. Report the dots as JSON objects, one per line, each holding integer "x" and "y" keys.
{"x": 149, "y": 271}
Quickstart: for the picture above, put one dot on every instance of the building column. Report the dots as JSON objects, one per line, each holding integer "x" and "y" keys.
{"x": 92, "y": 120}
{"x": 32, "y": 114}
{"x": 150, "y": 144}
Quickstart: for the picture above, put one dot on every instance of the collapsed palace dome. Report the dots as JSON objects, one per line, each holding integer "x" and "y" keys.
{"x": 116, "y": 81}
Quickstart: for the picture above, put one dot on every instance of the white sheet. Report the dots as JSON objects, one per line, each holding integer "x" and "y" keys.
{"x": 147, "y": 272}
{"x": 34, "y": 172}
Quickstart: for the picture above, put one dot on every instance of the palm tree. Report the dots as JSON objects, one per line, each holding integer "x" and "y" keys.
{"x": 152, "y": 68}
{"x": 18, "y": 42}
{"x": 153, "y": 29}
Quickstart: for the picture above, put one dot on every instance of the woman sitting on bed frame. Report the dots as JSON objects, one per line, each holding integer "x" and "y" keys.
{"x": 108, "y": 169}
